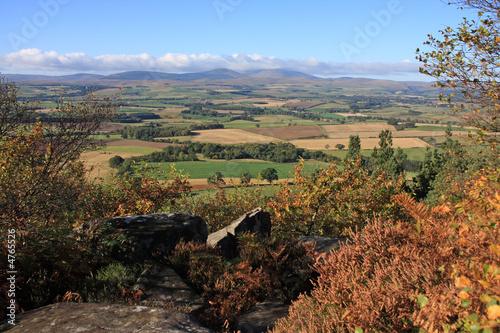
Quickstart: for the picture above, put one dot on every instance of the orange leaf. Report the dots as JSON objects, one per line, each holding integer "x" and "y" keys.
{"x": 462, "y": 282}
{"x": 463, "y": 295}
{"x": 463, "y": 229}
{"x": 493, "y": 312}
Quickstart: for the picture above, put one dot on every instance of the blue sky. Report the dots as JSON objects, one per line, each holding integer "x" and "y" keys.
{"x": 332, "y": 38}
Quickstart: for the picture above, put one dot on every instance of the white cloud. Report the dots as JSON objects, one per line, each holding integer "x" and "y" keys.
{"x": 38, "y": 61}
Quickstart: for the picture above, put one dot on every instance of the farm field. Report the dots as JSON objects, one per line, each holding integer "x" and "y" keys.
{"x": 414, "y": 154}
{"x": 290, "y": 132}
{"x": 366, "y": 143}
{"x": 358, "y": 128}
{"x": 263, "y": 110}
{"x": 231, "y": 136}
{"x": 229, "y": 169}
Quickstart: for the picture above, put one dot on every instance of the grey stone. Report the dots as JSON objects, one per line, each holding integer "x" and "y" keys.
{"x": 162, "y": 286}
{"x": 262, "y": 317}
{"x": 256, "y": 222}
{"x": 146, "y": 235}
{"x": 95, "y": 317}
{"x": 323, "y": 244}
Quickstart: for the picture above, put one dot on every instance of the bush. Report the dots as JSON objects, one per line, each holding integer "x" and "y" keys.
{"x": 332, "y": 201}
{"x": 116, "y": 162}
{"x": 225, "y": 206}
{"x": 110, "y": 283}
{"x": 438, "y": 272}
{"x": 267, "y": 269}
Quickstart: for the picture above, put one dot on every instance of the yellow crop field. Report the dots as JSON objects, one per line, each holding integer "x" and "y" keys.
{"x": 353, "y": 129}
{"x": 98, "y": 162}
{"x": 231, "y": 136}
{"x": 290, "y": 132}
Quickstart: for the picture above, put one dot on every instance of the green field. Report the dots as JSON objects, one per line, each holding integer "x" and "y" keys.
{"x": 436, "y": 128}
{"x": 414, "y": 154}
{"x": 205, "y": 169}
{"x": 131, "y": 149}
{"x": 332, "y": 116}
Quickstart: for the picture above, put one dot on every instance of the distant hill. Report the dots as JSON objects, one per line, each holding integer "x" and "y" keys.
{"x": 264, "y": 76}
{"x": 216, "y": 74}
{"x": 62, "y": 78}
{"x": 280, "y": 73}
{"x": 387, "y": 85}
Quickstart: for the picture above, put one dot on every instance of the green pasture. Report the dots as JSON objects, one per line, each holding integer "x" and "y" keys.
{"x": 234, "y": 168}
{"x": 331, "y": 116}
{"x": 414, "y": 154}
{"x": 436, "y": 128}
{"x": 131, "y": 149}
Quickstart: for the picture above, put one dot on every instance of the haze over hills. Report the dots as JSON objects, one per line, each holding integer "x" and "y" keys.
{"x": 264, "y": 76}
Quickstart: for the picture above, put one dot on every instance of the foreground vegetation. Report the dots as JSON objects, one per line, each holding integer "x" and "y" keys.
{"x": 423, "y": 255}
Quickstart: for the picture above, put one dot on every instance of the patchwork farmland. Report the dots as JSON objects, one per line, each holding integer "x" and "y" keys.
{"x": 290, "y": 132}
{"x": 315, "y": 115}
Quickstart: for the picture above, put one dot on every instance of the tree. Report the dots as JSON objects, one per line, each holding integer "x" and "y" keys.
{"x": 245, "y": 177}
{"x": 339, "y": 146}
{"x": 116, "y": 161}
{"x": 269, "y": 174}
{"x": 386, "y": 158}
{"x": 466, "y": 62}
{"x": 354, "y": 148}
{"x": 217, "y": 179}
{"x": 39, "y": 155}
{"x": 332, "y": 201}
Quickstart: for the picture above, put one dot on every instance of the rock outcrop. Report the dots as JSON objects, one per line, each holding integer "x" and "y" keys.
{"x": 146, "y": 235}
{"x": 141, "y": 237}
{"x": 95, "y": 317}
{"x": 262, "y": 317}
{"x": 161, "y": 285}
{"x": 256, "y": 222}
{"x": 322, "y": 244}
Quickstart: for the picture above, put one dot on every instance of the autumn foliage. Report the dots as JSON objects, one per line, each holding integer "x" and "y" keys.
{"x": 438, "y": 272}
{"x": 334, "y": 200}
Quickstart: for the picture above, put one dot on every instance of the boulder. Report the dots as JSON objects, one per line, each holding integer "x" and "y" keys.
{"x": 162, "y": 286}
{"x": 256, "y": 222}
{"x": 142, "y": 236}
{"x": 262, "y": 317}
{"x": 322, "y": 244}
{"x": 95, "y": 317}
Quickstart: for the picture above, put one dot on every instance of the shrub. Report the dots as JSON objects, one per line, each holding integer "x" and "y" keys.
{"x": 116, "y": 161}
{"x": 331, "y": 201}
{"x": 110, "y": 283}
{"x": 270, "y": 268}
{"x": 438, "y": 272}
{"x": 225, "y": 206}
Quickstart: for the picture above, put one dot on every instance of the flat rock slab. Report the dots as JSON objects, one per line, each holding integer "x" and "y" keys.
{"x": 256, "y": 222}
{"x": 323, "y": 244}
{"x": 95, "y": 317}
{"x": 262, "y": 317}
{"x": 161, "y": 285}
{"x": 146, "y": 235}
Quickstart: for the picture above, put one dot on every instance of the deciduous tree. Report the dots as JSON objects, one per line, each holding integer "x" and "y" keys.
{"x": 269, "y": 174}
{"x": 465, "y": 60}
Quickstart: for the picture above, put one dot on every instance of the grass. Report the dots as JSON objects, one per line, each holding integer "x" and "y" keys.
{"x": 205, "y": 169}
{"x": 131, "y": 149}
{"x": 331, "y": 116}
{"x": 414, "y": 154}
{"x": 437, "y": 128}
{"x": 198, "y": 117}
